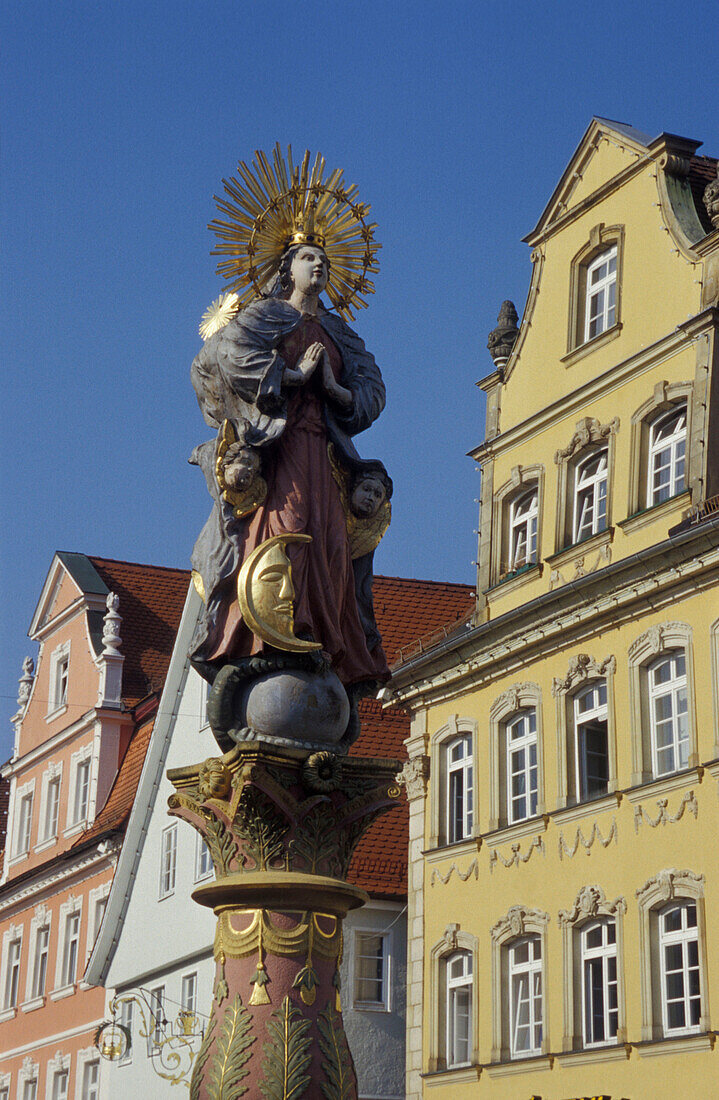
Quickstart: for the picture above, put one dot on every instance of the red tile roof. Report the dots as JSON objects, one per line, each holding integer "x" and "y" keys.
{"x": 114, "y": 815}
{"x": 406, "y": 610}
{"x": 151, "y": 602}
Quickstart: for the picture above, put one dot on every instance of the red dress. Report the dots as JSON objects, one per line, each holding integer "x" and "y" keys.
{"x": 303, "y": 497}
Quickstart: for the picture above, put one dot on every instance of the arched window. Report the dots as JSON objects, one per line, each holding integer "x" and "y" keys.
{"x": 523, "y": 513}
{"x": 525, "y": 996}
{"x": 590, "y": 495}
{"x": 666, "y": 468}
{"x": 460, "y": 788}
{"x": 600, "y": 996}
{"x": 600, "y": 306}
{"x": 667, "y": 678}
{"x": 459, "y": 1009}
{"x": 522, "y": 769}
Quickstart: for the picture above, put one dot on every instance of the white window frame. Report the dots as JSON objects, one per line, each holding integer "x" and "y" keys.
{"x": 35, "y": 967}
{"x": 157, "y": 1008}
{"x": 79, "y": 761}
{"x": 525, "y": 719}
{"x": 188, "y": 997}
{"x": 597, "y": 713}
{"x": 5, "y": 1083}
{"x": 682, "y": 937}
{"x": 604, "y": 954}
{"x": 82, "y": 1091}
{"x": 50, "y": 805}
{"x": 459, "y": 789}
{"x": 674, "y": 449}
{"x": 454, "y": 989}
{"x": 57, "y": 1066}
{"x": 527, "y": 975}
{"x": 28, "y": 1073}
{"x": 22, "y": 825}
{"x": 523, "y": 529}
{"x": 381, "y": 1005}
{"x": 12, "y": 935}
{"x": 590, "y": 496}
{"x": 438, "y": 787}
{"x": 96, "y": 904}
{"x": 673, "y": 689}
{"x": 127, "y": 1019}
{"x": 57, "y": 698}
{"x": 607, "y": 316}
{"x": 168, "y": 862}
{"x": 70, "y": 916}
{"x": 202, "y": 851}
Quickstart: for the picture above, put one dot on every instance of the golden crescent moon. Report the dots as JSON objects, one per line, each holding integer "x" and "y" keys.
{"x": 256, "y": 598}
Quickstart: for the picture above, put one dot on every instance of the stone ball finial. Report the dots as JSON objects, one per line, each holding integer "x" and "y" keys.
{"x": 711, "y": 199}
{"x": 503, "y": 338}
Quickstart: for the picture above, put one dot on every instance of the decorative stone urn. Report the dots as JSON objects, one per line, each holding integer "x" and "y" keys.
{"x": 281, "y": 826}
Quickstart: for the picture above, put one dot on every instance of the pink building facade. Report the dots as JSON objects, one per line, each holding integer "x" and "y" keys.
{"x": 105, "y": 631}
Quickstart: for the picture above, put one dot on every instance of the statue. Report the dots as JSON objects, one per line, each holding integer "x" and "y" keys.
{"x": 287, "y": 383}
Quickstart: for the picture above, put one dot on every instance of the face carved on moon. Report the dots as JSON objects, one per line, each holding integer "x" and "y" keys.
{"x": 265, "y": 594}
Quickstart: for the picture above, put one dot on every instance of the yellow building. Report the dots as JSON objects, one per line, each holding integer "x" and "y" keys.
{"x": 564, "y": 756}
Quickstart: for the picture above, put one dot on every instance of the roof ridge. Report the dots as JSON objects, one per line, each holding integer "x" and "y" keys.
{"x": 421, "y": 580}
{"x": 138, "y": 564}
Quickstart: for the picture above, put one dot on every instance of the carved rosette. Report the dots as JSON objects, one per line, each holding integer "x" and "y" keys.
{"x": 281, "y": 828}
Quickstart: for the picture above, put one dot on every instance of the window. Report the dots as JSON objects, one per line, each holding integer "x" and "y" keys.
{"x": 371, "y": 965}
{"x": 29, "y": 1089}
{"x": 82, "y": 791}
{"x": 59, "y": 1084}
{"x": 203, "y": 859}
{"x": 70, "y": 948}
{"x": 459, "y": 1009}
{"x": 525, "y": 992}
{"x": 189, "y": 992}
{"x": 459, "y": 789}
{"x": 100, "y": 907}
{"x": 52, "y": 807}
{"x": 59, "y": 670}
{"x": 24, "y": 823}
{"x": 157, "y": 1007}
{"x": 600, "y": 998}
{"x": 591, "y": 745}
{"x": 601, "y": 294}
{"x": 523, "y": 513}
{"x": 668, "y": 713}
{"x": 590, "y": 496}
{"x": 91, "y": 1081}
{"x": 126, "y": 1020}
{"x": 4, "y": 1092}
{"x": 522, "y": 769}
{"x": 679, "y": 947}
{"x": 667, "y": 456}
{"x": 12, "y": 973}
{"x": 39, "y": 970}
{"x": 168, "y": 861}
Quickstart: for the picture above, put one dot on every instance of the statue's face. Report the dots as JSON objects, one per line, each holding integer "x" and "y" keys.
{"x": 308, "y": 270}
{"x": 367, "y": 497}
{"x": 240, "y": 467}
{"x": 274, "y": 592}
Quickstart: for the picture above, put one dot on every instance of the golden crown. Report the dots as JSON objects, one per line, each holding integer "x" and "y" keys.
{"x": 274, "y": 206}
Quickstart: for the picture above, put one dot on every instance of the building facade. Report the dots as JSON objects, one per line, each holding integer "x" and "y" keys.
{"x": 564, "y": 747}
{"x": 155, "y": 951}
{"x": 85, "y": 714}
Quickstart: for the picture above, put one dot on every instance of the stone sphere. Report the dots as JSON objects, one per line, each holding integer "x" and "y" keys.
{"x": 295, "y": 706}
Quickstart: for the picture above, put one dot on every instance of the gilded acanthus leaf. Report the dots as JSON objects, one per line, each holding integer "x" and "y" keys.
{"x": 202, "y": 1054}
{"x": 287, "y": 1054}
{"x": 316, "y": 840}
{"x": 339, "y": 1083}
{"x": 223, "y": 848}
{"x": 232, "y": 1052}
{"x": 261, "y": 828}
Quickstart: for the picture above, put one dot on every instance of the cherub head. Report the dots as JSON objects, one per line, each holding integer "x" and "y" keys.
{"x": 370, "y": 489}
{"x": 240, "y": 466}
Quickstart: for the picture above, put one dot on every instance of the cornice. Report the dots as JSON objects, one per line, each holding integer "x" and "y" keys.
{"x": 48, "y": 747}
{"x": 639, "y": 363}
{"x": 576, "y": 611}
{"x": 51, "y": 874}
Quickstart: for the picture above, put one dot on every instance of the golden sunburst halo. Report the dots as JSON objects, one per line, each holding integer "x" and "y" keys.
{"x": 217, "y": 315}
{"x": 271, "y": 206}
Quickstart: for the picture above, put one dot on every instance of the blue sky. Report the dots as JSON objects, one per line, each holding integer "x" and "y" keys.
{"x": 120, "y": 119}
